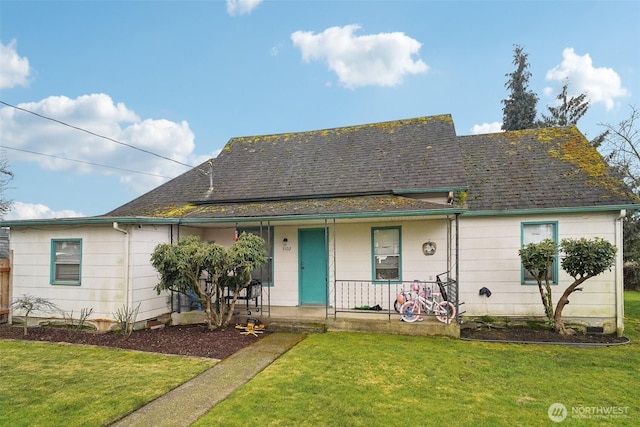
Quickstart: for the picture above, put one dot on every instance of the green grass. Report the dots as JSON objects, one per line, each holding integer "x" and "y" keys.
{"x": 64, "y": 385}
{"x": 356, "y": 379}
{"x": 336, "y": 379}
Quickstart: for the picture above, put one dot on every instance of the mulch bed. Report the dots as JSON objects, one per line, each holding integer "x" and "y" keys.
{"x": 199, "y": 341}
{"x": 530, "y": 335}
{"x": 184, "y": 340}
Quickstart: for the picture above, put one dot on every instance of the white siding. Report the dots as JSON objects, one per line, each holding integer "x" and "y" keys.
{"x": 143, "y": 276}
{"x": 489, "y": 258}
{"x": 353, "y": 255}
{"x": 106, "y": 282}
{"x": 116, "y": 267}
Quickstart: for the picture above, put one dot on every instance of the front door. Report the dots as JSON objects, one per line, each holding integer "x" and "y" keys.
{"x": 312, "y": 268}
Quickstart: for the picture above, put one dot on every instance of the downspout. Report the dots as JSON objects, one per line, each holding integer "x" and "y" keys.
{"x": 619, "y": 276}
{"x": 326, "y": 270}
{"x": 127, "y": 244}
{"x": 334, "y": 286}
{"x": 457, "y": 273}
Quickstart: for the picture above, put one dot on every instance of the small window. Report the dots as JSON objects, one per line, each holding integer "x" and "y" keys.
{"x": 265, "y": 273}
{"x": 386, "y": 254}
{"x": 66, "y": 261}
{"x": 536, "y": 232}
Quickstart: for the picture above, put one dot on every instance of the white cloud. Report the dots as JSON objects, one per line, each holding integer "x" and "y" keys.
{"x": 20, "y": 211}
{"x": 601, "y": 84}
{"x": 14, "y": 69}
{"x": 99, "y": 114}
{"x": 486, "y": 128}
{"x": 377, "y": 59}
{"x": 241, "y": 7}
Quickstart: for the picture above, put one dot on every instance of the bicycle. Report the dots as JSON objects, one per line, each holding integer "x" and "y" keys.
{"x": 405, "y": 296}
{"x": 425, "y": 302}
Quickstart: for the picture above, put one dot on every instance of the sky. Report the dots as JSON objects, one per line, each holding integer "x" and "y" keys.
{"x": 103, "y": 101}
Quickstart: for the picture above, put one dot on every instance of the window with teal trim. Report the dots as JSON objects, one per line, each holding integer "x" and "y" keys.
{"x": 536, "y": 232}
{"x": 265, "y": 273}
{"x": 386, "y": 250}
{"x": 66, "y": 261}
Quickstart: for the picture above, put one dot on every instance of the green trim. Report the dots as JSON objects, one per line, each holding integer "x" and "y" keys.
{"x": 53, "y": 264}
{"x": 552, "y": 210}
{"x": 89, "y": 221}
{"x": 555, "y": 262}
{"x": 186, "y": 221}
{"x": 181, "y": 221}
{"x": 433, "y": 212}
{"x": 373, "y": 255}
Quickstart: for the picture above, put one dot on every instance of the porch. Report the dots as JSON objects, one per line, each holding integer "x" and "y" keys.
{"x": 359, "y": 306}
{"x": 314, "y": 319}
{"x": 364, "y": 306}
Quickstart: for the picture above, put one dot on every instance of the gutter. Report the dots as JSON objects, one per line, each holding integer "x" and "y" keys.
{"x": 602, "y": 208}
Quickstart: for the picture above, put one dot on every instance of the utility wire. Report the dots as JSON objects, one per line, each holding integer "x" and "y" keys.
{"x": 82, "y": 161}
{"x": 94, "y": 134}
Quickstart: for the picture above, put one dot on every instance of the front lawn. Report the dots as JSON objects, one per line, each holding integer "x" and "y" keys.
{"x": 339, "y": 379}
{"x": 377, "y": 380}
{"x": 66, "y": 385}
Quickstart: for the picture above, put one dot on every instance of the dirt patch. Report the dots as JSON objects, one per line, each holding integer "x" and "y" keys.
{"x": 185, "y": 340}
{"x": 521, "y": 334}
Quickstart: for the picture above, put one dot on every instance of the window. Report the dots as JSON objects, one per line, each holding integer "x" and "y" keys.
{"x": 386, "y": 253}
{"x": 264, "y": 273}
{"x": 535, "y": 232}
{"x": 66, "y": 261}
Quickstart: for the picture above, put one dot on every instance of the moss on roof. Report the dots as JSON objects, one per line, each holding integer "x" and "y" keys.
{"x": 339, "y": 170}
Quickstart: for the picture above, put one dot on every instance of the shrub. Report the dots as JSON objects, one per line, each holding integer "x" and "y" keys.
{"x": 632, "y": 276}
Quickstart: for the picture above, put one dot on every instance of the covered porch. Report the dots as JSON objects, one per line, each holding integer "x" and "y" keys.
{"x": 337, "y": 274}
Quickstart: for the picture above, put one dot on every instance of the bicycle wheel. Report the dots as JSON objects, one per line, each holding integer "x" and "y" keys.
{"x": 410, "y": 311}
{"x": 445, "y": 312}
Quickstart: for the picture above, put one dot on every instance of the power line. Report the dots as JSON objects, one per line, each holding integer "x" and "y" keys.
{"x": 94, "y": 134}
{"x": 82, "y": 161}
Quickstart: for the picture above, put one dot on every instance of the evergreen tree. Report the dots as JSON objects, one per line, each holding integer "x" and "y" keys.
{"x": 570, "y": 110}
{"x": 519, "y": 110}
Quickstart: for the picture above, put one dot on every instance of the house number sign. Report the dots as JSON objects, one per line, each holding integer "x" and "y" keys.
{"x": 429, "y": 247}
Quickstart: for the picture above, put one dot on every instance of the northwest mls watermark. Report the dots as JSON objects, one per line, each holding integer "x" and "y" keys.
{"x": 558, "y": 412}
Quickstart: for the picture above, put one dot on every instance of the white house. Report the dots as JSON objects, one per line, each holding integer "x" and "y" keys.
{"x": 349, "y": 216}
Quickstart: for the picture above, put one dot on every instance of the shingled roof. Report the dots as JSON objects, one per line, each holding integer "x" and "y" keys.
{"x": 326, "y": 171}
{"x": 546, "y": 168}
{"x": 378, "y": 168}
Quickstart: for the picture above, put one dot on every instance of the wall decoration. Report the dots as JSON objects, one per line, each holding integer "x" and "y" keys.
{"x": 429, "y": 248}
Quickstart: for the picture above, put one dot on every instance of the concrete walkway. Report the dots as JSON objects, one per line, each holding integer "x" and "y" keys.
{"x": 190, "y": 401}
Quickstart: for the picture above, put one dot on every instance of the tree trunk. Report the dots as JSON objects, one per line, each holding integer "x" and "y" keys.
{"x": 546, "y": 300}
{"x": 232, "y": 306}
{"x": 210, "y": 314}
{"x": 558, "y": 324}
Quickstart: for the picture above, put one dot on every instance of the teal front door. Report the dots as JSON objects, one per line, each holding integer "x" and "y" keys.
{"x": 312, "y": 268}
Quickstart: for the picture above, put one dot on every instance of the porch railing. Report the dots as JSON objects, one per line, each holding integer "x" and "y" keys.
{"x": 378, "y": 297}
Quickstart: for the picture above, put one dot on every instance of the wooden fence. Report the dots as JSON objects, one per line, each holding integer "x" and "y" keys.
{"x": 5, "y": 268}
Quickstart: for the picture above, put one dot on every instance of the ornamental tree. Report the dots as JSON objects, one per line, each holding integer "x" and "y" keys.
{"x": 203, "y": 270}
{"x": 582, "y": 260}
{"x": 29, "y": 304}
